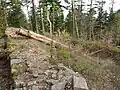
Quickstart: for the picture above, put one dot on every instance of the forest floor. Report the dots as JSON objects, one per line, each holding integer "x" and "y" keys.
{"x": 101, "y": 74}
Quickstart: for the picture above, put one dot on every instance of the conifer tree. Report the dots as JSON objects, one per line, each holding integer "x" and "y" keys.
{"x": 16, "y": 17}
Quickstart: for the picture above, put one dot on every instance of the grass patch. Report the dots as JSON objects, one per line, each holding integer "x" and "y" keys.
{"x": 92, "y": 46}
{"x": 64, "y": 53}
{"x": 79, "y": 64}
{"x": 15, "y": 71}
{"x": 115, "y": 49}
{"x": 11, "y": 46}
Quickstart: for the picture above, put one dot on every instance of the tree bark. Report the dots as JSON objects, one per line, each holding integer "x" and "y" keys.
{"x": 73, "y": 20}
{"x": 48, "y": 18}
{"x": 42, "y": 19}
{"x": 77, "y": 30}
{"x": 41, "y": 38}
{"x": 34, "y": 22}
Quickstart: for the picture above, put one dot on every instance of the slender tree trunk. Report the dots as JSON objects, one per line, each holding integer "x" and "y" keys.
{"x": 34, "y": 25}
{"x": 43, "y": 26}
{"x": 48, "y": 18}
{"x": 5, "y": 68}
{"x": 73, "y": 19}
{"x": 53, "y": 17}
{"x": 51, "y": 31}
{"x": 77, "y": 30}
{"x": 80, "y": 26}
{"x": 91, "y": 21}
{"x": 30, "y": 26}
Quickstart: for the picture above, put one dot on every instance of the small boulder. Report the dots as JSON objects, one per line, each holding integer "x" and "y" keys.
{"x": 79, "y": 83}
{"x": 35, "y": 88}
{"x": 35, "y": 75}
{"x": 52, "y": 81}
{"x": 59, "y": 86}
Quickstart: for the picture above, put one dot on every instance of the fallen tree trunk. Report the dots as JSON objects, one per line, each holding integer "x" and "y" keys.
{"x": 15, "y": 32}
{"x": 41, "y": 38}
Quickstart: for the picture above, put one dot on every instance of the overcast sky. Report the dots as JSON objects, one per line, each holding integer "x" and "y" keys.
{"x": 106, "y": 7}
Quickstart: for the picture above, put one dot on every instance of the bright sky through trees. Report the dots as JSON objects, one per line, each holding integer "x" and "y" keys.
{"x": 106, "y": 7}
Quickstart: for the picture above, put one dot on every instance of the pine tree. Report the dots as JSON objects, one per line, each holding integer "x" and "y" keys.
{"x": 101, "y": 20}
{"x": 16, "y": 17}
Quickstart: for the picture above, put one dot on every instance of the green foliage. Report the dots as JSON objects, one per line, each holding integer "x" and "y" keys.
{"x": 2, "y": 22}
{"x": 64, "y": 53}
{"x": 81, "y": 64}
{"x": 56, "y": 15}
{"x": 115, "y": 27}
{"x": 16, "y": 17}
{"x": 92, "y": 45}
{"x": 3, "y": 27}
{"x": 115, "y": 49}
{"x": 80, "y": 68}
{"x": 11, "y": 46}
{"x": 15, "y": 71}
{"x": 15, "y": 2}
{"x": 65, "y": 34}
{"x": 68, "y": 23}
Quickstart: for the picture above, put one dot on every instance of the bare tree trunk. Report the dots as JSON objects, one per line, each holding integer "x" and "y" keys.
{"x": 43, "y": 26}
{"x": 34, "y": 26}
{"x": 77, "y": 30}
{"x": 30, "y": 26}
{"x": 5, "y": 68}
{"x": 73, "y": 19}
{"x": 91, "y": 21}
{"x": 48, "y": 18}
{"x": 51, "y": 31}
{"x": 80, "y": 26}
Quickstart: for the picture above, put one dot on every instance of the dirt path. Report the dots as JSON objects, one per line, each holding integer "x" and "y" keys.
{"x": 33, "y": 57}
{"x": 34, "y": 72}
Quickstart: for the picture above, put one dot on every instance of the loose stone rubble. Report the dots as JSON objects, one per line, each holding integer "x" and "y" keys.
{"x": 34, "y": 72}
{"x": 58, "y": 77}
